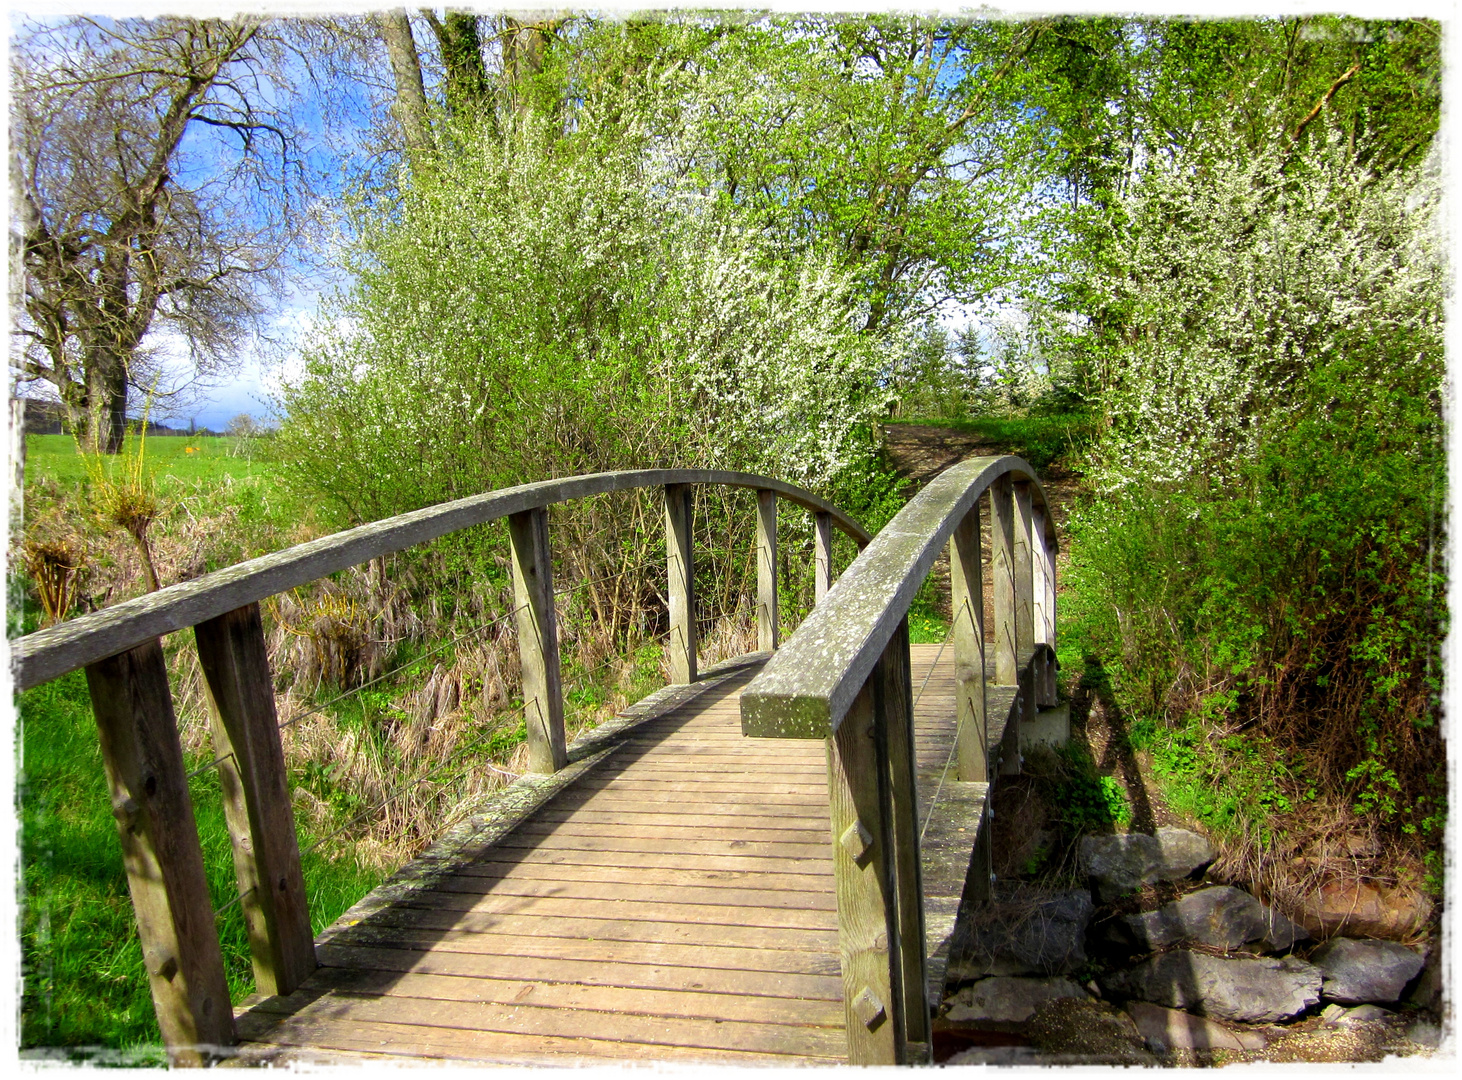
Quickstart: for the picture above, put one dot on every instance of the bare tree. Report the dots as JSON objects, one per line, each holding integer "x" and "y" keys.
{"x": 152, "y": 162}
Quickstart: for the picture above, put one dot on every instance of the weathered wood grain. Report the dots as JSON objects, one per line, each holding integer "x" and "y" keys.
{"x": 160, "y": 852}
{"x": 768, "y": 628}
{"x": 822, "y": 555}
{"x": 532, "y": 563}
{"x": 1004, "y": 586}
{"x": 967, "y": 637}
{"x": 680, "y": 553}
{"x": 240, "y": 692}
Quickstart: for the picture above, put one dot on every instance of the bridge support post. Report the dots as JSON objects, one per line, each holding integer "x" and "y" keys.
{"x": 160, "y": 851}
{"x": 538, "y": 640}
{"x": 240, "y": 691}
{"x": 1003, "y": 580}
{"x": 1025, "y": 622}
{"x": 967, "y": 602}
{"x": 896, "y": 709}
{"x": 1045, "y": 610}
{"x": 822, "y": 541}
{"x": 868, "y": 924}
{"x": 766, "y": 571}
{"x": 680, "y": 560}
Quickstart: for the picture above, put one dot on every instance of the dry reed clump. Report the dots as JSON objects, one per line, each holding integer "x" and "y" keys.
{"x": 54, "y": 554}
{"x": 728, "y": 637}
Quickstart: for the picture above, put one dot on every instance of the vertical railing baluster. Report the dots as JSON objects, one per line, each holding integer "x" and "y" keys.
{"x": 822, "y": 554}
{"x": 967, "y": 603}
{"x": 767, "y": 630}
{"x": 1025, "y": 622}
{"x": 1044, "y": 661}
{"x": 256, "y": 802}
{"x": 680, "y": 564}
{"x": 894, "y": 701}
{"x": 1048, "y": 549}
{"x": 1003, "y": 580}
{"x": 160, "y": 852}
{"x": 538, "y": 640}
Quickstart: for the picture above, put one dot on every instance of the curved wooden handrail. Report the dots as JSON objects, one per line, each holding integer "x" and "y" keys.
{"x": 48, "y": 654}
{"x": 807, "y": 687}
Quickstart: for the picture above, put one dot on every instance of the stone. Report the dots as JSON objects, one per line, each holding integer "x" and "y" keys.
{"x": 1358, "y": 972}
{"x": 1009, "y": 999}
{"x": 1124, "y": 863}
{"x": 1281, "y": 933}
{"x": 1362, "y": 909}
{"x": 1333, "y": 1013}
{"x": 1361, "y": 1013}
{"x": 1221, "y": 917}
{"x": 1246, "y": 990}
{"x": 1024, "y": 934}
{"x": 1426, "y": 993}
{"x": 1172, "y": 1029}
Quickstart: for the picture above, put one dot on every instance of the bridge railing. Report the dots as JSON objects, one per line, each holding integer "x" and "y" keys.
{"x": 844, "y": 677}
{"x": 120, "y": 649}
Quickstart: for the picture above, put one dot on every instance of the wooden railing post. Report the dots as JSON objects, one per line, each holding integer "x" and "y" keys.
{"x": 766, "y": 571}
{"x": 680, "y": 561}
{"x": 822, "y": 554}
{"x": 868, "y": 922}
{"x": 1044, "y": 664}
{"x": 967, "y": 603}
{"x": 256, "y": 803}
{"x": 1048, "y": 549}
{"x": 1004, "y": 580}
{"x": 1025, "y": 622}
{"x": 160, "y": 851}
{"x": 895, "y": 704}
{"x": 538, "y": 640}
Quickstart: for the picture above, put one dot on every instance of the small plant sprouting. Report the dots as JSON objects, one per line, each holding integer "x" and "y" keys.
{"x": 123, "y": 493}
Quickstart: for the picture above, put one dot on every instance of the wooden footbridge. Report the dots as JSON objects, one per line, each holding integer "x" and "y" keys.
{"x": 760, "y": 863}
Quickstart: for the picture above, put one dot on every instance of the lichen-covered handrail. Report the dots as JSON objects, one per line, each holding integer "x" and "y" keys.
{"x": 48, "y": 654}
{"x": 808, "y": 685}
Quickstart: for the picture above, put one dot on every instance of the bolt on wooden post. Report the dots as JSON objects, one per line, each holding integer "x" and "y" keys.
{"x": 967, "y": 603}
{"x": 680, "y": 565}
{"x": 538, "y": 640}
{"x": 256, "y": 803}
{"x": 160, "y": 852}
{"x": 766, "y": 571}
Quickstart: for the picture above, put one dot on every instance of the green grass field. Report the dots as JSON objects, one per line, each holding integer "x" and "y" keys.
{"x": 83, "y": 980}
{"x": 57, "y": 457}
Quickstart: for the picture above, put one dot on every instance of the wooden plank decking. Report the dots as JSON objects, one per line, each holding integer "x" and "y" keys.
{"x": 669, "y": 896}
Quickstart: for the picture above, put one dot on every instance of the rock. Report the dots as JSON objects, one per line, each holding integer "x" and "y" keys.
{"x": 1086, "y": 1032}
{"x": 1025, "y": 934}
{"x": 1425, "y": 1033}
{"x": 1168, "y": 1029}
{"x": 1364, "y": 1012}
{"x": 1221, "y": 917}
{"x": 1122, "y": 864}
{"x": 1357, "y": 972}
{"x": 1361, "y": 909}
{"x": 1427, "y": 992}
{"x": 1281, "y": 933}
{"x": 1333, "y": 1013}
{"x": 1257, "y": 990}
{"x": 1005, "y": 999}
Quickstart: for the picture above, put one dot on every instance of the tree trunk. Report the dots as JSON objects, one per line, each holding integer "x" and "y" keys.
{"x": 468, "y": 95}
{"x": 102, "y": 410}
{"x": 410, "y": 108}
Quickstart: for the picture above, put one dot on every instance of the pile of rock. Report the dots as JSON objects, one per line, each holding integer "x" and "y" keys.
{"x": 1204, "y": 971}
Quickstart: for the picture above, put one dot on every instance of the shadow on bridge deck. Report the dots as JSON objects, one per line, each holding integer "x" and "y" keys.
{"x": 668, "y": 897}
